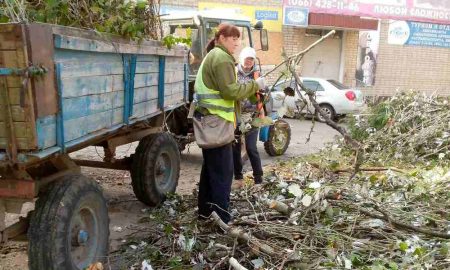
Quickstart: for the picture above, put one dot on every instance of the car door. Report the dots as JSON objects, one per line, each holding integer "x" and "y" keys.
{"x": 278, "y": 95}
{"x": 319, "y": 90}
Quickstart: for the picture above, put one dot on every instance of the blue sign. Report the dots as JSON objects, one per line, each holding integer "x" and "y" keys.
{"x": 268, "y": 15}
{"x": 295, "y": 16}
{"x": 419, "y": 34}
{"x": 176, "y": 10}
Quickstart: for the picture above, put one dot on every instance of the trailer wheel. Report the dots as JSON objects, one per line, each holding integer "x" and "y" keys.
{"x": 69, "y": 228}
{"x": 279, "y": 138}
{"x": 155, "y": 169}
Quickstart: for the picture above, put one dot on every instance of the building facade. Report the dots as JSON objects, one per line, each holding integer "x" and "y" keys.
{"x": 373, "y": 53}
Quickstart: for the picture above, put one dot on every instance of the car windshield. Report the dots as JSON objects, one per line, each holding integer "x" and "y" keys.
{"x": 338, "y": 85}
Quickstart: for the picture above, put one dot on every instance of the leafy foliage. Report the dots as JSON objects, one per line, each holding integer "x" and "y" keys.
{"x": 171, "y": 40}
{"x": 409, "y": 127}
{"x": 136, "y": 20}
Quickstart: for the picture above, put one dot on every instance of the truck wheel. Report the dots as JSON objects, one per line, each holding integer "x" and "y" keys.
{"x": 279, "y": 138}
{"x": 69, "y": 228}
{"x": 155, "y": 169}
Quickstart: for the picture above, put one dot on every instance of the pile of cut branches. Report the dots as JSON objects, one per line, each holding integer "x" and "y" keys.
{"x": 407, "y": 128}
{"x": 307, "y": 217}
{"x": 318, "y": 212}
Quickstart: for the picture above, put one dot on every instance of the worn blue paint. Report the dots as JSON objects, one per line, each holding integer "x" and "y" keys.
{"x": 131, "y": 83}
{"x": 98, "y": 93}
{"x": 79, "y": 57}
{"x": 145, "y": 108}
{"x": 148, "y": 58}
{"x": 74, "y": 43}
{"x": 46, "y": 131}
{"x": 117, "y": 116}
{"x": 136, "y": 119}
{"x": 93, "y": 135}
{"x": 80, "y": 127}
{"x": 147, "y": 67}
{"x": 145, "y": 93}
{"x": 82, "y": 86}
{"x": 6, "y": 71}
{"x": 161, "y": 80}
{"x": 59, "y": 115}
{"x": 143, "y": 80}
{"x": 87, "y": 105}
{"x": 83, "y": 69}
{"x": 126, "y": 85}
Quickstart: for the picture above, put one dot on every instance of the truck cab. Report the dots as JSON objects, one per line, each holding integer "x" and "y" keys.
{"x": 201, "y": 28}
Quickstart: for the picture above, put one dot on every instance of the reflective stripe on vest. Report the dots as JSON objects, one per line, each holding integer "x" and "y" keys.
{"x": 210, "y": 98}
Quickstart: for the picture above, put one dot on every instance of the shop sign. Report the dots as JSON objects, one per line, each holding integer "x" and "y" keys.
{"x": 419, "y": 34}
{"x": 268, "y": 15}
{"x": 436, "y": 11}
{"x": 176, "y": 10}
{"x": 295, "y": 16}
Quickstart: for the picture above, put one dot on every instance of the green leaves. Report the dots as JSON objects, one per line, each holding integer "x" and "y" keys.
{"x": 141, "y": 4}
{"x": 170, "y": 40}
{"x": 403, "y": 246}
{"x": 135, "y": 20}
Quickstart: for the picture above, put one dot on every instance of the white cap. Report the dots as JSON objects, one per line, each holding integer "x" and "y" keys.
{"x": 246, "y": 53}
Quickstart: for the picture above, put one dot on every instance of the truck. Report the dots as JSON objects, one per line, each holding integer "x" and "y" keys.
{"x": 63, "y": 89}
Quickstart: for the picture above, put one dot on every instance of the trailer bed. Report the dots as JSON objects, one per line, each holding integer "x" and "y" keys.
{"x": 96, "y": 85}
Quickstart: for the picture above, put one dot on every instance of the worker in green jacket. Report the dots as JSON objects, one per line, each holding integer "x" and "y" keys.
{"x": 216, "y": 80}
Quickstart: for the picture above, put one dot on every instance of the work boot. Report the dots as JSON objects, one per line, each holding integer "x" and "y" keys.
{"x": 258, "y": 179}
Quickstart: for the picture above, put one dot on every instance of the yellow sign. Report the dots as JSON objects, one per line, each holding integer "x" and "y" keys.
{"x": 270, "y": 16}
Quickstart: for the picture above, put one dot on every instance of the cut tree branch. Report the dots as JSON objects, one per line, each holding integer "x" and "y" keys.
{"x": 235, "y": 264}
{"x": 253, "y": 242}
{"x": 385, "y": 216}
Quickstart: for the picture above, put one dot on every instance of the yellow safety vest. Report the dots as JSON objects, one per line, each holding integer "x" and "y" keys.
{"x": 211, "y": 99}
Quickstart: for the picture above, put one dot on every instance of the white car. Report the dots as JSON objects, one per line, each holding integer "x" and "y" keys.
{"x": 334, "y": 98}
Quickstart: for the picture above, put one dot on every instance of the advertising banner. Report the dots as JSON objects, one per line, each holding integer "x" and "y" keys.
{"x": 270, "y": 16}
{"x": 437, "y": 11}
{"x": 366, "y": 61}
{"x": 419, "y": 34}
{"x": 175, "y": 10}
{"x": 295, "y": 16}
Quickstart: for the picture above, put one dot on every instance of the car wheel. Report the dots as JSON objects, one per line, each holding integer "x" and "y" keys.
{"x": 329, "y": 112}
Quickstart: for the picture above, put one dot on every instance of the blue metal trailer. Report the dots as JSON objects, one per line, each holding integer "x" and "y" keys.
{"x": 63, "y": 89}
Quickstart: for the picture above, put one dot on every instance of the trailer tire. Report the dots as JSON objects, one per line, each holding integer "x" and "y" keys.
{"x": 69, "y": 228}
{"x": 279, "y": 138}
{"x": 155, "y": 169}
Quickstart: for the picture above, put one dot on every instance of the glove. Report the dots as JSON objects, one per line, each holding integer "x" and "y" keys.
{"x": 261, "y": 83}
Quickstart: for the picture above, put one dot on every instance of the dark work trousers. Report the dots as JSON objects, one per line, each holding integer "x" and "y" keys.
{"x": 251, "y": 138}
{"x": 215, "y": 182}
